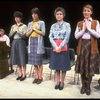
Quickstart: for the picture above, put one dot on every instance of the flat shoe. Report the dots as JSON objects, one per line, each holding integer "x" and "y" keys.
{"x": 23, "y": 78}
{"x": 35, "y": 81}
{"x": 39, "y": 81}
{"x": 19, "y": 77}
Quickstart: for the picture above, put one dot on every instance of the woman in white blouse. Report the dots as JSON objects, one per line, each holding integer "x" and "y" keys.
{"x": 87, "y": 64}
{"x": 4, "y": 37}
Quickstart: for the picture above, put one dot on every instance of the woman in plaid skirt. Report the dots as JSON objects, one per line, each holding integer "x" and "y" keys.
{"x": 36, "y": 31}
{"x": 88, "y": 62}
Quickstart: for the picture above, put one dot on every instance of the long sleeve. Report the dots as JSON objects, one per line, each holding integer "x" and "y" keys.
{"x": 41, "y": 31}
{"x": 95, "y": 33}
{"x": 29, "y": 29}
{"x": 51, "y": 37}
{"x": 22, "y": 32}
{"x": 78, "y": 33}
{"x": 12, "y": 32}
{"x": 60, "y": 31}
{"x": 7, "y": 41}
{"x": 67, "y": 35}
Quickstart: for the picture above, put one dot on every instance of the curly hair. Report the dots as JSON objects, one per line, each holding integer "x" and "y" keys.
{"x": 18, "y": 14}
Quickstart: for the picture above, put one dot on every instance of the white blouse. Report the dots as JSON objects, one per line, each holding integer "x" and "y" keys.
{"x": 5, "y": 38}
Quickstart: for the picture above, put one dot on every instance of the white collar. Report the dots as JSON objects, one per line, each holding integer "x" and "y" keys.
{"x": 89, "y": 19}
{"x": 60, "y": 23}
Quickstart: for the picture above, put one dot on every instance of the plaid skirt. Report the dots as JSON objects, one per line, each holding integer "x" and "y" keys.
{"x": 18, "y": 52}
{"x": 33, "y": 57}
{"x": 87, "y": 63}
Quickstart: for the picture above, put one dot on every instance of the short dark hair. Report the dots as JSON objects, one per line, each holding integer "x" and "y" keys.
{"x": 36, "y": 11}
{"x": 2, "y": 30}
{"x": 60, "y": 9}
{"x": 18, "y": 14}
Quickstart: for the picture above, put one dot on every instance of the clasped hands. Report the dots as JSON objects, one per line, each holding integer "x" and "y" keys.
{"x": 86, "y": 25}
{"x": 58, "y": 49}
{"x": 15, "y": 29}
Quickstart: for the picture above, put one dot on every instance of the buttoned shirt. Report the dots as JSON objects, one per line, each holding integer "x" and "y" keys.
{"x": 60, "y": 31}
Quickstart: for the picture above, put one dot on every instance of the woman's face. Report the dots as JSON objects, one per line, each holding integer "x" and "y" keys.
{"x": 87, "y": 13}
{"x": 59, "y": 16}
{"x": 17, "y": 19}
{"x": 1, "y": 33}
{"x": 35, "y": 16}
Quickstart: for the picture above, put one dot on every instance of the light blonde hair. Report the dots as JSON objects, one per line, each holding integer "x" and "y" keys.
{"x": 88, "y": 6}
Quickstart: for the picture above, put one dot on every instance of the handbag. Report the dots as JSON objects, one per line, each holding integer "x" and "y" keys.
{"x": 58, "y": 42}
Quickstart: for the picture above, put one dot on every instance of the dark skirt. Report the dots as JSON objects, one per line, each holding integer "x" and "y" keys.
{"x": 18, "y": 52}
{"x": 87, "y": 63}
{"x": 33, "y": 57}
{"x": 60, "y": 61}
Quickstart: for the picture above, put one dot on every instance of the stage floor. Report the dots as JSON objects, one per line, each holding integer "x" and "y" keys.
{"x": 10, "y": 88}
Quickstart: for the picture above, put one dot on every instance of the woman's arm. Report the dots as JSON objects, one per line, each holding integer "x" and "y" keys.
{"x": 40, "y": 31}
{"x": 29, "y": 29}
{"x": 12, "y": 32}
{"x": 67, "y": 29}
{"x": 22, "y": 31}
{"x": 51, "y": 37}
{"x": 95, "y": 33}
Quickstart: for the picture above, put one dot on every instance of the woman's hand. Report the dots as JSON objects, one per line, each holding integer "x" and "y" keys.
{"x": 15, "y": 29}
{"x": 58, "y": 49}
{"x": 34, "y": 28}
{"x": 84, "y": 27}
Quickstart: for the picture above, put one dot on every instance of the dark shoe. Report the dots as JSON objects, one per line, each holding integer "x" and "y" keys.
{"x": 35, "y": 81}
{"x": 19, "y": 77}
{"x": 23, "y": 78}
{"x": 39, "y": 81}
{"x": 83, "y": 90}
{"x": 61, "y": 87}
{"x": 57, "y": 86}
{"x": 88, "y": 91}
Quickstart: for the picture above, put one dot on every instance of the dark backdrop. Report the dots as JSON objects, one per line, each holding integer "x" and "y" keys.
{"x": 73, "y": 14}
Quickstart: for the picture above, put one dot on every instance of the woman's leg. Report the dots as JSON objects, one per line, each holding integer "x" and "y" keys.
{"x": 57, "y": 79}
{"x": 40, "y": 71}
{"x": 19, "y": 72}
{"x": 83, "y": 81}
{"x": 40, "y": 74}
{"x": 23, "y": 68}
{"x": 36, "y": 73}
{"x": 63, "y": 74}
{"x": 88, "y": 84}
